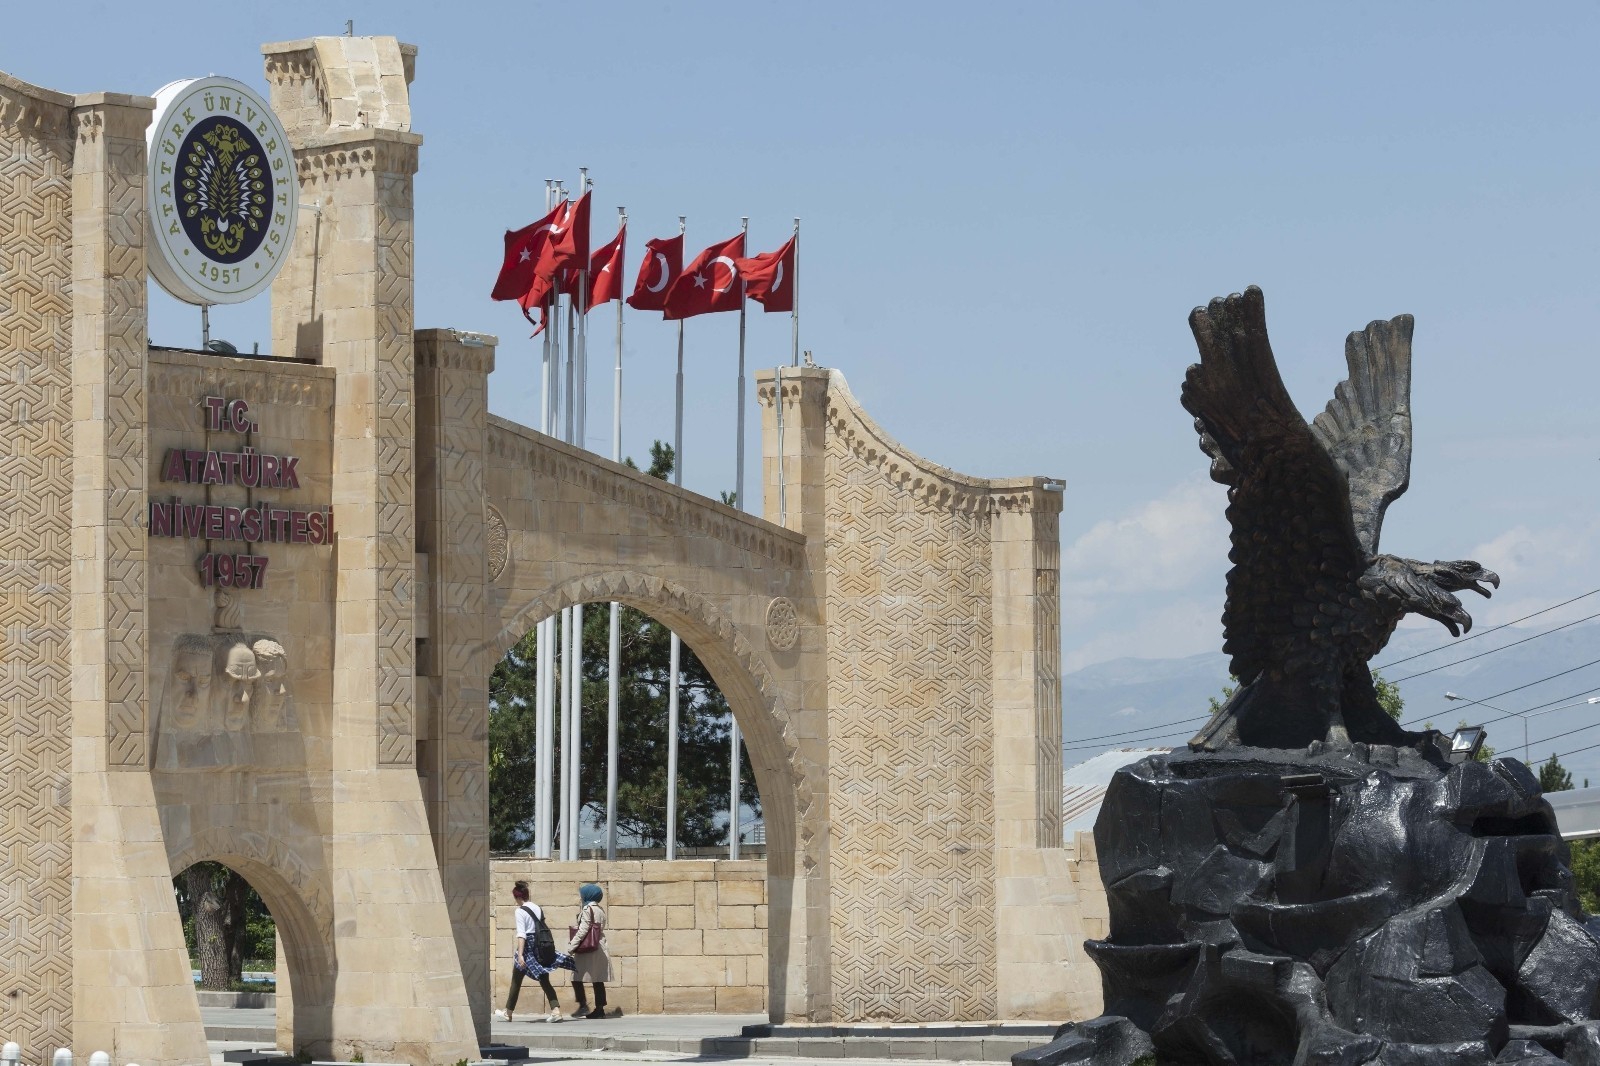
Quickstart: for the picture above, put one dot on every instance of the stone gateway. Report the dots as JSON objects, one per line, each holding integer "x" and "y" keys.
{"x": 251, "y": 608}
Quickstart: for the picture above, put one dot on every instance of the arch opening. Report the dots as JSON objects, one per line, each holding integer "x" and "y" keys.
{"x": 758, "y": 901}
{"x": 289, "y": 935}
{"x": 704, "y": 755}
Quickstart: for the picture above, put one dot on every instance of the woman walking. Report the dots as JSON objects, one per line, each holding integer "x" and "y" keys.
{"x": 587, "y": 947}
{"x": 530, "y": 916}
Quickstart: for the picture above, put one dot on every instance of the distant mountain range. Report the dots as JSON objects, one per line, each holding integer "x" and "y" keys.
{"x": 1143, "y": 698}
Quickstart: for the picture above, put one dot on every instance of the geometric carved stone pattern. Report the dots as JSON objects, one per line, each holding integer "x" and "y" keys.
{"x": 396, "y": 534}
{"x": 1047, "y": 667}
{"x": 35, "y": 574}
{"x": 125, "y": 352}
{"x": 910, "y": 702}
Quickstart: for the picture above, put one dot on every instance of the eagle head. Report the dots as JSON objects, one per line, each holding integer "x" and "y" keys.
{"x": 1430, "y": 585}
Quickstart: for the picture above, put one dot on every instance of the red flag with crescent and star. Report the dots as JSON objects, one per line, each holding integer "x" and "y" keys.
{"x": 605, "y": 285}
{"x": 605, "y": 270}
{"x": 527, "y": 249}
{"x": 769, "y": 278}
{"x": 710, "y": 283}
{"x": 663, "y": 262}
{"x": 569, "y": 239}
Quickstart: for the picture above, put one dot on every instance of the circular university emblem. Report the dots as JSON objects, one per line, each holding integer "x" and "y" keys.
{"x": 223, "y": 192}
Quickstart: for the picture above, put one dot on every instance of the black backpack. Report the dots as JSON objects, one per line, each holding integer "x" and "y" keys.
{"x": 541, "y": 947}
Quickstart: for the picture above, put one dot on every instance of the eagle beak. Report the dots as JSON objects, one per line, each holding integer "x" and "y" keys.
{"x": 1490, "y": 577}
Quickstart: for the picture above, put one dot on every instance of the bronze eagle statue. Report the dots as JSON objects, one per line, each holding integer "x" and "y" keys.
{"x": 1310, "y": 598}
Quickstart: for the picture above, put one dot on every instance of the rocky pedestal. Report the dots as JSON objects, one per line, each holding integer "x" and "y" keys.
{"x": 1363, "y": 906}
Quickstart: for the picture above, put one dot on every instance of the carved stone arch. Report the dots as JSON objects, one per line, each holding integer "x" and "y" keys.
{"x": 747, "y": 680}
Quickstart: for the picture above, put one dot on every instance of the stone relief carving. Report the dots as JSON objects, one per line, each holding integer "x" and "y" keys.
{"x": 499, "y": 542}
{"x": 226, "y": 703}
{"x": 783, "y": 624}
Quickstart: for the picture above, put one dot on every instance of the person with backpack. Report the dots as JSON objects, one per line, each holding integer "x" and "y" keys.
{"x": 586, "y": 944}
{"x": 535, "y": 955}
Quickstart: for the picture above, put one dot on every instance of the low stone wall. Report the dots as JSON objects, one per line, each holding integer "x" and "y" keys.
{"x": 685, "y": 937}
{"x": 1093, "y": 908}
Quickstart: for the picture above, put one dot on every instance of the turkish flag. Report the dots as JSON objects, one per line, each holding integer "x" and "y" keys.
{"x": 526, "y": 250}
{"x": 709, "y": 284}
{"x": 663, "y": 262}
{"x": 769, "y": 278}
{"x": 569, "y": 239}
{"x": 605, "y": 270}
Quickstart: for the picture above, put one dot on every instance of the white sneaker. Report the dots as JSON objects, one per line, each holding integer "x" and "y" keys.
{"x": 553, "y": 1016}
{"x": 502, "y": 1016}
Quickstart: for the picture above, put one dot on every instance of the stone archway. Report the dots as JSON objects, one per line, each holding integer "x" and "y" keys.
{"x": 744, "y": 676}
{"x": 303, "y": 913}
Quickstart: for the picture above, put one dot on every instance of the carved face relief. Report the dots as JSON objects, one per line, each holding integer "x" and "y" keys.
{"x": 188, "y": 691}
{"x": 274, "y": 704}
{"x": 239, "y": 665}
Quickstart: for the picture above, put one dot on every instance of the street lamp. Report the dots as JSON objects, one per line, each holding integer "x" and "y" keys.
{"x": 1502, "y": 710}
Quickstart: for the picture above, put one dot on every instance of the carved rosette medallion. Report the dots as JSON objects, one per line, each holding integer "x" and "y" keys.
{"x": 783, "y": 624}
{"x": 499, "y": 544}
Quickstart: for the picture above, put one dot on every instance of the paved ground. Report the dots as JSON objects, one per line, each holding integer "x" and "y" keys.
{"x": 700, "y": 1038}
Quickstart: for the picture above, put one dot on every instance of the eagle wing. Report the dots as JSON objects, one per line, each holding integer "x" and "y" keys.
{"x": 1295, "y": 552}
{"x": 1367, "y": 425}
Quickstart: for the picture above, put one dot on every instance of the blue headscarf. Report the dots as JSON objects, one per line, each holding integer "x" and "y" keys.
{"x": 590, "y": 893}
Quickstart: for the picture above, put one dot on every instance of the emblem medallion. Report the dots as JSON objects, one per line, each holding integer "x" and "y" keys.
{"x": 223, "y": 192}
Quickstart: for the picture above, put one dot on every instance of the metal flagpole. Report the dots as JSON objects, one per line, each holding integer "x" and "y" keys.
{"x": 794, "y": 314}
{"x": 544, "y": 664}
{"x": 614, "y": 650}
{"x": 738, "y": 500}
{"x": 577, "y": 319}
{"x": 738, "y": 446}
{"x": 577, "y": 725}
{"x": 672, "y": 751}
{"x": 676, "y": 645}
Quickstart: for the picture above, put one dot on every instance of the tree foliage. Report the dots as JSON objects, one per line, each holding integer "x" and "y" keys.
{"x": 644, "y": 659}
{"x": 1553, "y": 777}
{"x": 1388, "y": 695}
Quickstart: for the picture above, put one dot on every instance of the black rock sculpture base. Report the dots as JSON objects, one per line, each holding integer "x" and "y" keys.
{"x": 1369, "y": 905}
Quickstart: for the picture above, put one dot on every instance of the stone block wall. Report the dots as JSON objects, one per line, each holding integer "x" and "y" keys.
{"x": 685, "y": 937}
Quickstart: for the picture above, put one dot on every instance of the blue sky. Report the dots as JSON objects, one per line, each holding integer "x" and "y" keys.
{"x": 1009, "y": 211}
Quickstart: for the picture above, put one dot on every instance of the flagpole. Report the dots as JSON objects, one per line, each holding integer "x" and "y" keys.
{"x": 615, "y": 646}
{"x": 794, "y": 282}
{"x": 564, "y": 640}
{"x": 738, "y": 501}
{"x": 675, "y": 652}
{"x": 543, "y": 722}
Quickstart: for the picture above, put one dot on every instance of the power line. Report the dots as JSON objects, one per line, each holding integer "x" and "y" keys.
{"x": 1155, "y": 740}
{"x": 1491, "y": 651}
{"x": 1080, "y": 742}
{"x": 1519, "y": 688}
{"x": 1484, "y": 632}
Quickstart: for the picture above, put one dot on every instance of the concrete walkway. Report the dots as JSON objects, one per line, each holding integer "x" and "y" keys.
{"x": 705, "y": 1037}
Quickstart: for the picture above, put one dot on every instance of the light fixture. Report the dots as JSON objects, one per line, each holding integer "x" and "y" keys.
{"x": 1465, "y": 742}
{"x": 1054, "y": 486}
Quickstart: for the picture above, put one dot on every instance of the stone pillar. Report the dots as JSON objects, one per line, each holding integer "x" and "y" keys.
{"x": 132, "y": 991}
{"x": 36, "y": 564}
{"x": 1042, "y": 970}
{"x": 399, "y": 992}
{"x": 452, "y": 405}
{"x": 799, "y": 961}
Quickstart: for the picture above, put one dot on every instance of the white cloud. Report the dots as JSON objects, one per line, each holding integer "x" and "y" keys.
{"x": 1153, "y": 630}
{"x": 1163, "y": 546}
{"x": 1148, "y": 583}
